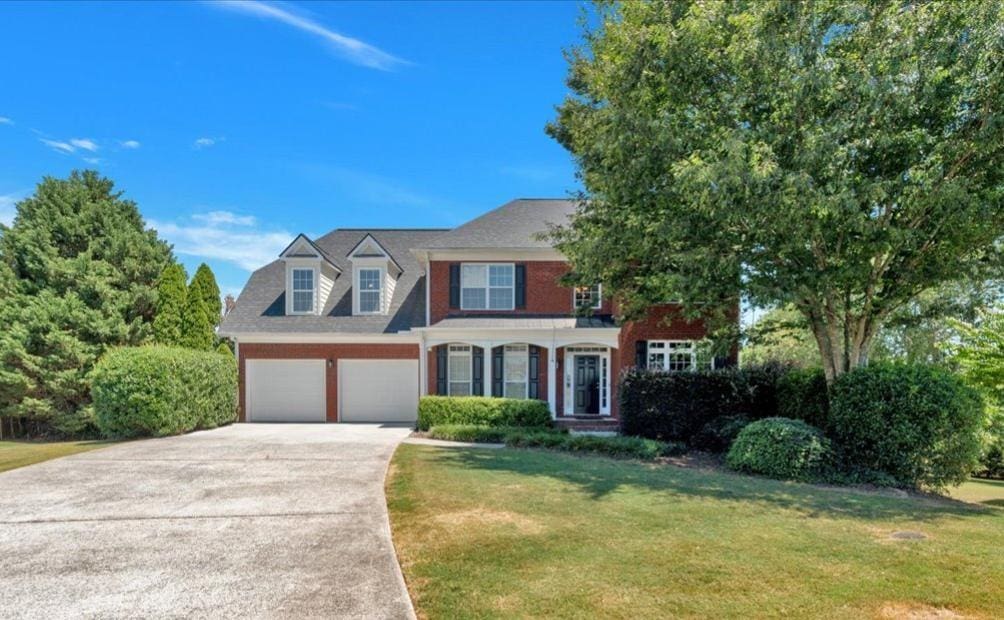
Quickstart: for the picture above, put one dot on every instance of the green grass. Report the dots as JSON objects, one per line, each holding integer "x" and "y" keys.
{"x": 979, "y": 491}
{"x": 529, "y": 533}
{"x": 14, "y": 454}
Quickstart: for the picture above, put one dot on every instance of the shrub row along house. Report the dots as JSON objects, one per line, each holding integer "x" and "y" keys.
{"x": 358, "y": 324}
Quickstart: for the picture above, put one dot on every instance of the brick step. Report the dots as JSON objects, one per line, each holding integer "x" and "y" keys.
{"x": 588, "y": 423}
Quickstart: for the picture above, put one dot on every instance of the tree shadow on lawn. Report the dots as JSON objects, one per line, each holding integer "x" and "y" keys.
{"x": 811, "y": 500}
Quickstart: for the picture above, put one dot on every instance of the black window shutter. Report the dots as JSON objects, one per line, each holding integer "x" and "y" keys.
{"x": 497, "y": 361}
{"x": 442, "y": 351}
{"x": 454, "y": 285}
{"x": 477, "y": 371}
{"x": 521, "y": 286}
{"x": 533, "y": 383}
{"x": 641, "y": 353}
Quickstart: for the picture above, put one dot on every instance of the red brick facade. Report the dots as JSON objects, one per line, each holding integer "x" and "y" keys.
{"x": 331, "y": 352}
{"x": 543, "y": 293}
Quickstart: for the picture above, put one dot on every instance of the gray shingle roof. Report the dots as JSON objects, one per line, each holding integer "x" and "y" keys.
{"x": 262, "y": 304}
{"x": 513, "y": 225}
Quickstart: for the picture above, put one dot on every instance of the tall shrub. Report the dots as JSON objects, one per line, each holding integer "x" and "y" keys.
{"x": 171, "y": 297}
{"x": 204, "y": 286}
{"x": 196, "y": 330}
{"x": 802, "y": 394}
{"x": 159, "y": 390}
{"x": 918, "y": 424}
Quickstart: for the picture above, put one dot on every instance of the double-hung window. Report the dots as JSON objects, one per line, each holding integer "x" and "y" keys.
{"x": 487, "y": 286}
{"x": 515, "y": 370}
{"x": 370, "y": 291}
{"x": 672, "y": 355}
{"x": 459, "y": 370}
{"x": 303, "y": 290}
{"x": 588, "y": 297}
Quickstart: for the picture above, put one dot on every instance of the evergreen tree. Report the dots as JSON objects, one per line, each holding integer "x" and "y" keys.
{"x": 204, "y": 284}
{"x": 224, "y": 349}
{"x": 171, "y": 296}
{"x": 196, "y": 331}
{"x": 80, "y": 269}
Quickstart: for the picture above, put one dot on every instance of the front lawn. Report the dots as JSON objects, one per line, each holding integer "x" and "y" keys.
{"x": 516, "y": 533}
{"x": 14, "y": 454}
{"x": 980, "y": 491}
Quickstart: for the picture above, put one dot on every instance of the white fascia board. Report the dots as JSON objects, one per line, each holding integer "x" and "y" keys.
{"x": 324, "y": 338}
{"x": 546, "y": 337}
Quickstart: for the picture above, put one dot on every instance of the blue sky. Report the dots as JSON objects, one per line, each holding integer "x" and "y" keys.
{"x": 236, "y": 125}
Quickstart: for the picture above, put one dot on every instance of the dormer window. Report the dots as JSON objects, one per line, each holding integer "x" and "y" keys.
{"x": 303, "y": 291}
{"x": 370, "y": 286}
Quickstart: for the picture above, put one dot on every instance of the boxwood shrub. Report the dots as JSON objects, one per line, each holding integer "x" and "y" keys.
{"x": 802, "y": 395}
{"x": 489, "y": 411}
{"x": 479, "y": 433}
{"x": 718, "y": 434}
{"x": 159, "y": 390}
{"x": 782, "y": 448}
{"x": 920, "y": 425}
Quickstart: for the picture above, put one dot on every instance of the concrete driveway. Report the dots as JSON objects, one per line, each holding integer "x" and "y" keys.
{"x": 281, "y": 520}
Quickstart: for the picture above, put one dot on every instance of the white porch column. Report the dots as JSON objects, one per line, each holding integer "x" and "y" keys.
{"x": 552, "y": 380}
{"x": 423, "y": 368}
{"x": 486, "y": 367}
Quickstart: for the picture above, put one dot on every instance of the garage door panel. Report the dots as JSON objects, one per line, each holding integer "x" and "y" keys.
{"x": 378, "y": 390}
{"x": 285, "y": 390}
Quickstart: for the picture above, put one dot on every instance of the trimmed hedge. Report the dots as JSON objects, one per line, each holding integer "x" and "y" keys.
{"x": 782, "y": 448}
{"x": 676, "y": 406}
{"x": 158, "y": 390}
{"x": 488, "y": 411}
{"x": 920, "y": 425}
{"x": 551, "y": 439}
{"x": 478, "y": 433}
{"x": 718, "y": 434}
{"x": 802, "y": 394}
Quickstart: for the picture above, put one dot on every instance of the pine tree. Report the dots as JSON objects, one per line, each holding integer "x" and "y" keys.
{"x": 80, "y": 276}
{"x": 196, "y": 331}
{"x": 171, "y": 297}
{"x": 204, "y": 285}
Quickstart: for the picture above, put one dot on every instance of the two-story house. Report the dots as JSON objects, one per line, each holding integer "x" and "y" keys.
{"x": 358, "y": 324}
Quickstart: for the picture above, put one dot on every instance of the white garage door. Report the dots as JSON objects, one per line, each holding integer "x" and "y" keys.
{"x": 285, "y": 390}
{"x": 378, "y": 390}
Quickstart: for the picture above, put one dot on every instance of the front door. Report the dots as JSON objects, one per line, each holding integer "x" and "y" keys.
{"x": 587, "y": 384}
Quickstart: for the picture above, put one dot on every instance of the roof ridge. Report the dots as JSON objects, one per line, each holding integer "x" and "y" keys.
{"x": 387, "y": 229}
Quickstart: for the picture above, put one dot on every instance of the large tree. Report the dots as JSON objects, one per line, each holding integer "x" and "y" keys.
{"x": 842, "y": 157}
{"x": 81, "y": 270}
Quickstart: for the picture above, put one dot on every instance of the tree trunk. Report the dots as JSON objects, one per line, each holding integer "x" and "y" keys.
{"x": 843, "y": 343}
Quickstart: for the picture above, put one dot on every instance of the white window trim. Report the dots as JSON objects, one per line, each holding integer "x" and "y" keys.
{"x": 315, "y": 277}
{"x": 357, "y": 307}
{"x": 596, "y": 306}
{"x": 525, "y": 354}
{"x": 694, "y": 361}
{"x": 488, "y": 287}
{"x": 470, "y": 368}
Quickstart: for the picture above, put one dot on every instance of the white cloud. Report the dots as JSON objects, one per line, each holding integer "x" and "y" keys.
{"x": 94, "y": 161}
{"x": 84, "y": 143}
{"x": 56, "y": 145}
{"x": 225, "y": 217}
{"x": 129, "y": 144}
{"x": 5, "y": 121}
{"x": 230, "y": 238}
{"x": 354, "y": 50}
{"x": 205, "y": 143}
{"x": 7, "y": 208}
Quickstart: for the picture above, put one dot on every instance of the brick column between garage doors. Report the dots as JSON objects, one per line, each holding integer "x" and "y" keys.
{"x": 333, "y": 352}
